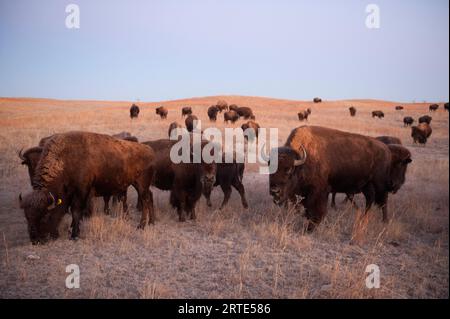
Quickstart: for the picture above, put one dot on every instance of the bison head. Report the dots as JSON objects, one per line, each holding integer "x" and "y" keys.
{"x": 283, "y": 180}
{"x": 30, "y": 158}
{"x": 208, "y": 176}
{"x": 37, "y": 205}
{"x": 401, "y": 157}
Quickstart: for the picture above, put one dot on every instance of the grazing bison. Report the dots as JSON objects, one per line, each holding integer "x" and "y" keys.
{"x": 303, "y": 116}
{"x": 222, "y": 105}
{"x": 399, "y": 108}
{"x": 408, "y": 121}
{"x": 386, "y": 140}
{"x": 185, "y": 181}
{"x": 421, "y": 133}
{"x": 187, "y": 110}
{"x": 352, "y": 111}
{"x": 434, "y": 107}
{"x": 250, "y": 129}
{"x": 162, "y": 112}
{"x": 134, "y": 111}
{"x": 425, "y": 119}
{"x": 446, "y": 107}
{"x": 379, "y": 114}
{"x": 228, "y": 174}
{"x": 212, "y": 113}
{"x": 233, "y": 107}
{"x": 315, "y": 161}
{"x": 75, "y": 165}
{"x": 231, "y": 116}
{"x": 173, "y": 126}
{"x": 245, "y": 112}
{"x": 317, "y": 100}
{"x": 189, "y": 122}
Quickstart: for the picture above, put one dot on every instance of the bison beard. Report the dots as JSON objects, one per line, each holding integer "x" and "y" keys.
{"x": 336, "y": 162}
{"x": 108, "y": 166}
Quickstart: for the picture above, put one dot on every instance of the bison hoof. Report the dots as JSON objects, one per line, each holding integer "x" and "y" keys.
{"x": 74, "y": 238}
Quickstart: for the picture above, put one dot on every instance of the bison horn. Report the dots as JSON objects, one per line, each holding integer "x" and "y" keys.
{"x": 303, "y": 159}
{"x": 20, "y": 155}
{"x": 53, "y": 204}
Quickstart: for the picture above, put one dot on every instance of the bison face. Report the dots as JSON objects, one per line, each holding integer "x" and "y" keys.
{"x": 36, "y": 206}
{"x": 401, "y": 158}
{"x": 208, "y": 177}
{"x": 284, "y": 180}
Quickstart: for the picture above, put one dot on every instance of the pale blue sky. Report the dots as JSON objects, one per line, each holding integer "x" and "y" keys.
{"x": 166, "y": 49}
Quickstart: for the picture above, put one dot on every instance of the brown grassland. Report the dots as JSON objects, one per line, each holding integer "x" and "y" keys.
{"x": 235, "y": 253}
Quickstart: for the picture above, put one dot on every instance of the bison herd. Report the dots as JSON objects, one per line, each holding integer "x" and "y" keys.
{"x": 68, "y": 170}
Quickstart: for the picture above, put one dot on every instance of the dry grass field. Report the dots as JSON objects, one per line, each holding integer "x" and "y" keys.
{"x": 260, "y": 252}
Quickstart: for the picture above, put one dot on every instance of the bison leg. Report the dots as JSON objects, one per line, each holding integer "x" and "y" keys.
{"x": 124, "y": 199}
{"x": 76, "y": 217}
{"x": 106, "y": 209}
{"x": 147, "y": 208}
{"x": 316, "y": 209}
{"x": 333, "y": 200}
{"x": 226, "y": 189}
{"x": 381, "y": 201}
{"x": 240, "y": 188}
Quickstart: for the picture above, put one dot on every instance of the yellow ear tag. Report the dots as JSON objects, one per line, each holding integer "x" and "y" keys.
{"x": 59, "y": 202}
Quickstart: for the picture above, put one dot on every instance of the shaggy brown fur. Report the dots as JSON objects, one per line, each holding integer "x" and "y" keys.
{"x": 421, "y": 133}
{"x": 245, "y": 112}
{"x": 212, "y": 113}
{"x": 230, "y": 116}
{"x": 162, "y": 112}
{"x": 186, "y": 111}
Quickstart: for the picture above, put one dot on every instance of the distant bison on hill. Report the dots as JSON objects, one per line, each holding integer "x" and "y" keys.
{"x": 379, "y": 114}
{"x": 173, "y": 126}
{"x": 317, "y": 100}
{"x": 187, "y": 110}
{"x": 425, "y": 119}
{"x": 399, "y": 107}
{"x": 303, "y": 115}
{"x": 212, "y": 113}
{"x": 434, "y": 107}
{"x": 230, "y": 116}
{"x": 134, "y": 111}
{"x": 421, "y": 133}
{"x": 162, "y": 112}
{"x": 408, "y": 121}
{"x": 222, "y": 105}
{"x": 252, "y": 128}
{"x": 189, "y": 122}
{"x": 245, "y": 112}
{"x": 233, "y": 107}
{"x": 446, "y": 107}
{"x": 352, "y": 111}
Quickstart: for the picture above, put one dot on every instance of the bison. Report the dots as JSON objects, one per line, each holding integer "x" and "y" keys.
{"x": 399, "y": 108}
{"x": 76, "y": 165}
{"x": 250, "y": 129}
{"x": 222, "y": 105}
{"x": 126, "y": 136}
{"x": 162, "y": 112}
{"x": 228, "y": 174}
{"x": 433, "y": 107}
{"x": 245, "y": 112}
{"x": 352, "y": 111}
{"x": 379, "y": 114}
{"x": 173, "y": 126}
{"x": 185, "y": 111}
{"x": 303, "y": 116}
{"x": 425, "y": 119}
{"x": 134, "y": 111}
{"x": 185, "y": 181}
{"x": 446, "y": 107}
{"x": 189, "y": 122}
{"x": 315, "y": 161}
{"x": 421, "y": 133}
{"x": 212, "y": 113}
{"x": 317, "y": 100}
{"x": 408, "y": 121}
{"x": 233, "y": 107}
{"x": 230, "y": 116}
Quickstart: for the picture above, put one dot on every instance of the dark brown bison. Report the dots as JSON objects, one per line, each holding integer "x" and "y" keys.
{"x": 250, "y": 129}
{"x": 173, "y": 126}
{"x": 212, "y": 113}
{"x": 187, "y": 110}
{"x": 303, "y": 115}
{"x": 308, "y": 110}
{"x": 399, "y": 108}
{"x": 76, "y": 165}
{"x": 222, "y": 105}
{"x": 434, "y": 107}
{"x": 134, "y": 111}
{"x": 388, "y": 140}
{"x": 425, "y": 119}
{"x": 233, "y": 107}
{"x": 228, "y": 174}
{"x": 352, "y": 111}
{"x": 162, "y": 112}
{"x": 185, "y": 181}
{"x": 317, "y": 100}
{"x": 408, "y": 121}
{"x": 379, "y": 114}
{"x": 446, "y": 107}
{"x": 315, "y": 161}
{"x": 189, "y": 122}
{"x": 230, "y": 116}
{"x": 245, "y": 112}
{"x": 421, "y": 133}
